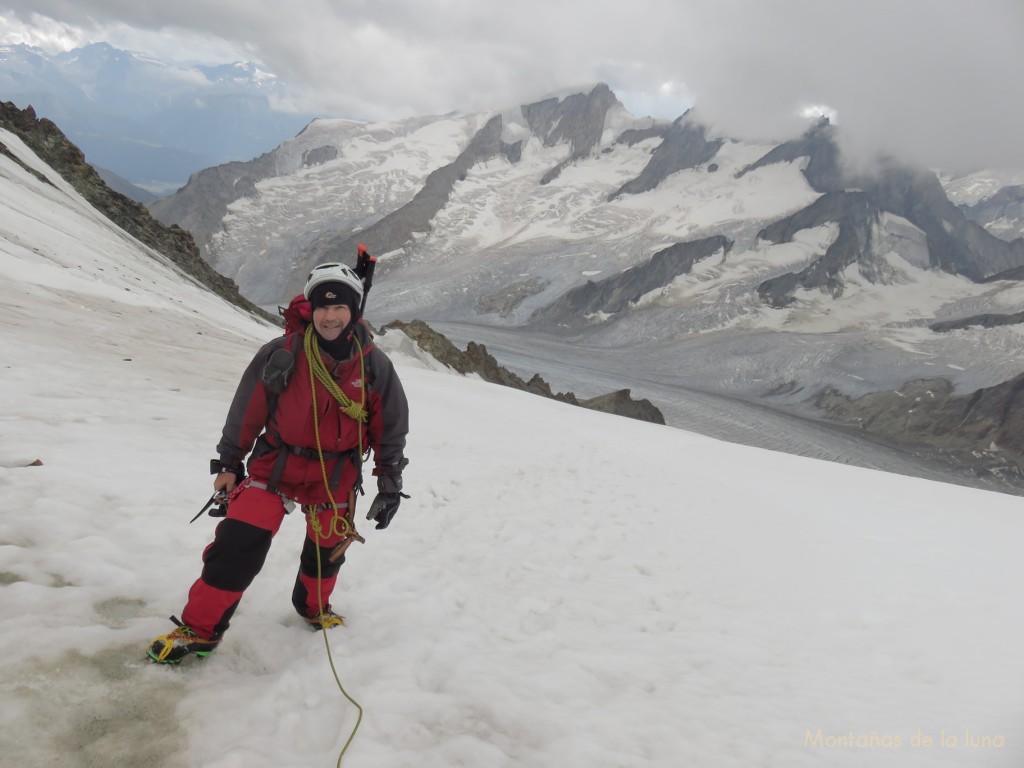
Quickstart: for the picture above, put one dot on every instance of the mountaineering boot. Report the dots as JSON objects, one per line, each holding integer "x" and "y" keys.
{"x": 179, "y": 643}
{"x": 326, "y": 619}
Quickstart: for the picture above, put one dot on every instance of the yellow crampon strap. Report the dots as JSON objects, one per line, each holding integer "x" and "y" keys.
{"x": 318, "y": 372}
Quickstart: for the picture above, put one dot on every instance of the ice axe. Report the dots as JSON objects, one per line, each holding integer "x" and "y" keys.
{"x": 365, "y": 265}
{"x": 220, "y": 500}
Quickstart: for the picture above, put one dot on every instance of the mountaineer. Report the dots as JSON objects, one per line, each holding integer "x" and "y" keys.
{"x": 309, "y": 408}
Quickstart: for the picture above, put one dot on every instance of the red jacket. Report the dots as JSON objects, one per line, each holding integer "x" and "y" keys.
{"x": 251, "y": 427}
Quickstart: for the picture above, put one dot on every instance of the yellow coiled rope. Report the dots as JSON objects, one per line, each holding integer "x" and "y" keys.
{"x": 319, "y": 371}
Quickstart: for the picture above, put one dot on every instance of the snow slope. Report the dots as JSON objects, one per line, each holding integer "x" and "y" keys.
{"x": 564, "y": 588}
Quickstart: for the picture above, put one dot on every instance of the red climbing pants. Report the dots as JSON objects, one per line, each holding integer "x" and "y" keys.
{"x": 239, "y": 550}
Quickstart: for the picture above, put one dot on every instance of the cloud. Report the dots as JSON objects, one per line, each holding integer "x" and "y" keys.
{"x": 908, "y": 77}
{"x": 914, "y": 78}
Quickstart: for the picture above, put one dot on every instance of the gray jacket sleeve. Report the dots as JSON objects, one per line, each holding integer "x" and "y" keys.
{"x": 389, "y": 417}
{"x": 248, "y": 412}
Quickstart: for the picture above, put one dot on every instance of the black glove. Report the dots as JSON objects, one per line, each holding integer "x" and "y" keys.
{"x": 385, "y": 503}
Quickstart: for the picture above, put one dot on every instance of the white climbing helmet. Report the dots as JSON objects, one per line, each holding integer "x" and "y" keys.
{"x": 333, "y": 273}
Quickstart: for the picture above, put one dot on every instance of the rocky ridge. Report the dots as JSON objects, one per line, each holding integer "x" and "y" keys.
{"x": 988, "y": 320}
{"x": 476, "y": 359}
{"x": 44, "y": 138}
{"x": 615, "y": 294}
{"x": 577, "y": 120}
{"x": 983, "y": 430}
{"x": 1003, "y": 212}
{"x": 684, "y": 145}
{"x": 956, "y": 244}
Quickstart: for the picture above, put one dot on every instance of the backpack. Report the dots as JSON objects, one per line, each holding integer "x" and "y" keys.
{"x": 297, "y": 315}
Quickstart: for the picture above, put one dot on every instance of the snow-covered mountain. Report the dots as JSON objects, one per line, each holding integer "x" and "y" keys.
{"x": 571, "y": 236}
{"x": 149, "y": 121}
{"x": 563, "y": 588}
{"x": 993, "y": 198}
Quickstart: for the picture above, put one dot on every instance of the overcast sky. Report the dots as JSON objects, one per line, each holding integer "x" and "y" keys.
{"x": 934, "y": 81}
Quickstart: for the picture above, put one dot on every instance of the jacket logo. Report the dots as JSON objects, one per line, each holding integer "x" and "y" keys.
{"x": 357, "y": 382}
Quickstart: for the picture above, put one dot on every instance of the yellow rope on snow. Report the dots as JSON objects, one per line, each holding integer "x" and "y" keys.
{"x": 330, "y": 658}
{"x": 318, "y": 372}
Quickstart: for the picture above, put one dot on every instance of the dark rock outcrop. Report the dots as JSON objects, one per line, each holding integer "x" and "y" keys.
{"x": 955, "y": 244}
{"x": 1002, "y": 214}
{"x": 44, "y": 138}
{"x": 504, "y": 300}
{"x": 634, "y": 136}
{"x": 319, "y": 156}
{"x": 477, "y": 360}
{"x": 855, "y": 215}
{"x": 577, "y": 120}
{"x": 621, "y": 403}
{"x": 685, "y": 145}
{"x": 983, "y": 429}
{"x": 1017, "y": 273}
{"x": 983, "y": 321}
{"x": 512, "y": 152}
{"x": 818, "y": 145}
{"x": 615, "y": 294}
